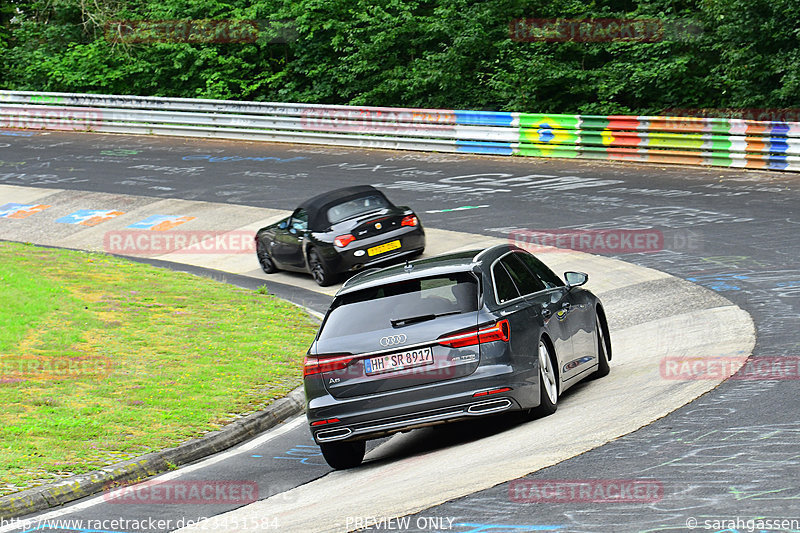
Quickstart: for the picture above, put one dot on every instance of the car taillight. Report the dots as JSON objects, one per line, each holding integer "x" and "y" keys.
{"x": 316, "y": 365}
{"x": 410, "y": 220}
{"x": 501, "y": 331}
{"x": 343, "y": 240}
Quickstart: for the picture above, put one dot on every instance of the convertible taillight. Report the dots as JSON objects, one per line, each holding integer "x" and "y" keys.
{"x": 343, "y": 240}
{"x": 316, "y": 365}
{"x": 501, "y": 331}
{"x": 410, "y": 220}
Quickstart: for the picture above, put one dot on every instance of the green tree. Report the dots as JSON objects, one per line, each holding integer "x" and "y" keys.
{"x": 415, "y": 53}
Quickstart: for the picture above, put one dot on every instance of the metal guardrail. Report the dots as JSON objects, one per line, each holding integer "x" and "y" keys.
{"x": 682, "y": 140}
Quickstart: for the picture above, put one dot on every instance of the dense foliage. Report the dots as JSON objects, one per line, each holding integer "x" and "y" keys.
{"x": 438, "y": 53}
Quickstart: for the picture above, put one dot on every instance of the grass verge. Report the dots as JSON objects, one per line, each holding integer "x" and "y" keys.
{"x": 103, "y": 359}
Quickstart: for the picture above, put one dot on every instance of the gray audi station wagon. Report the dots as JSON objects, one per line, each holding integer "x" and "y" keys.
{"x": 447, "y": 338}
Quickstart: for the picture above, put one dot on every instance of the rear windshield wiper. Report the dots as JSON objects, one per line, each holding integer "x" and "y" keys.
{"x": 398, "y": 322}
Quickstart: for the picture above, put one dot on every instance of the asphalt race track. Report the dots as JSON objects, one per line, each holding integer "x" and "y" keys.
{"x": 725, "y": 459}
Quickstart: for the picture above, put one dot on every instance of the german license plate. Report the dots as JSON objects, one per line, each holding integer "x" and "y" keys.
{"x": 399, "y": 361}
{"x": 383, "y": 248}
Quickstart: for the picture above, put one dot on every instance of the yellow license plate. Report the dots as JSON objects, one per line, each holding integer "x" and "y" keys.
{"x": 383, "y": 248}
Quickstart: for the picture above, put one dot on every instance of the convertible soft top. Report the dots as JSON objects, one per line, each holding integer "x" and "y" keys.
{"x": 317, "y": 207}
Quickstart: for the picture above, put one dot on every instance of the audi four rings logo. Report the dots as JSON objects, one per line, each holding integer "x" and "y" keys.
{"x": 393, "y": 340}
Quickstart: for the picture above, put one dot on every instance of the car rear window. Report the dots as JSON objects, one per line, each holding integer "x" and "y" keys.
{"x": 355, "y": 207}
{"x": 375, "y": 308}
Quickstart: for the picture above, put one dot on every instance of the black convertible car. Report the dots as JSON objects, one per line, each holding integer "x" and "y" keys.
{"x": 446, "y": 338}
{"x": 340, "y": 231}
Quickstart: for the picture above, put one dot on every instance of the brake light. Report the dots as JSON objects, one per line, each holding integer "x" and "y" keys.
{"x": 343, "y": 240}
{"x": 501, "y": 331}
{"x": 410, "y": 220}
{"x": 316, "y": 365}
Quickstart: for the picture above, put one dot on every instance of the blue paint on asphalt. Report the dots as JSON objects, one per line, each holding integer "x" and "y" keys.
{"x": 83, "y": 215}
{"x": 9, "y": 209}
{"x": 16, "y": 133}
{"x": 719, "y": 282}
{"x": 506, "y": 528}
{"x": 155, "y": 220}
{"x": 303, "y": 453}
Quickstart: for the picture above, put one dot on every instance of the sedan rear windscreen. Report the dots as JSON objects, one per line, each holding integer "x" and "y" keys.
{"x": 401, "y": 304}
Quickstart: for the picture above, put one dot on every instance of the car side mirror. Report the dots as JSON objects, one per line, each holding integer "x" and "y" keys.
{"x": 575, "y": 279}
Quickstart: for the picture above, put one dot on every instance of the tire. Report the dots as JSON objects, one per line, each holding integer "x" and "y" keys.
{"x": 548, "y": 382}
{"x": 603, "y": 350}
{"x": 267, "y": 265}
{"x": 343, "y": 455}
{"x": 319, "y": 271}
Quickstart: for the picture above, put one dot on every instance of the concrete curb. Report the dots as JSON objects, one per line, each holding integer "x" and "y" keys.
{"x": 59, "y": 493}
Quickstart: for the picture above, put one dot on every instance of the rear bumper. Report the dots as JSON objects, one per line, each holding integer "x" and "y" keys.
{"x": 382, "y": 414}
{"x": 387, "y": 426}
{"x": 412, "y": 242}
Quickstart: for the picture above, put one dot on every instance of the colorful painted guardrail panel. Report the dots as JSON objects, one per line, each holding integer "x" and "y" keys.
{"x": 681, "y": 140}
